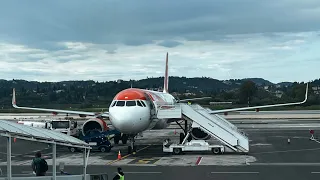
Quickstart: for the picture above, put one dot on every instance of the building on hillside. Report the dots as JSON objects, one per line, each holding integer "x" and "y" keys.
{"x": 316, "y": 90}
{"x": 278, "y": 93}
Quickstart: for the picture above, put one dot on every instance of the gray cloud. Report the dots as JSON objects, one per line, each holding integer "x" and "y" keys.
{"x": 64, "y": 40}
{"x": 41, "y": 23}
{"x": 169, "y": 43}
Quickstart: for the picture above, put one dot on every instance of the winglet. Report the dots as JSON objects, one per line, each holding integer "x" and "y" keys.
{"x": 14, "y": 103}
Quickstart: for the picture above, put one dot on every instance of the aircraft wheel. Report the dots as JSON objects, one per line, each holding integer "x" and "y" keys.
{"x": 117, "y": 138}
{"x": 124, "y": 139}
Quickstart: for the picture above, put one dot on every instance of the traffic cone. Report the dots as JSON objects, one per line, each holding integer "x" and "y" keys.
{"x": 119, "y": 155}
{"x": 14, "y": 139}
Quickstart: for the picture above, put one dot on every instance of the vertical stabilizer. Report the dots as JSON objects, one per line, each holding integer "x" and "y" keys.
{"x": 166, "y": 77}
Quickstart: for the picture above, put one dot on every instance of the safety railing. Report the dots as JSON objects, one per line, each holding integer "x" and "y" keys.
{"x": 160, "y": 104}
{"x": 222, "y": 120}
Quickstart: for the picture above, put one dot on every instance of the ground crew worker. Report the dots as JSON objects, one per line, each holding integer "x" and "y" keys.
{"x": 120, "y": 175}
{"x": 39, "y": 165}
{"x": 189, "y": 103}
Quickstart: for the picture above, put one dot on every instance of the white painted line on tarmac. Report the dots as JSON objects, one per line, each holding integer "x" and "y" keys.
{"x": 147, "y": 172}
{"x": 295, "y": 150}
{"x": 314, "y": 140}
{"x": 240, "y": 172}
{"x": 315, "y": 172}
{"x": 18, "y": 175}
{"x": 285, "y": 164}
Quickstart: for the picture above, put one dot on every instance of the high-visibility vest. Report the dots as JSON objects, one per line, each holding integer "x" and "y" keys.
{"x": 121, "y": 177}
{"x": 189, "y": 103}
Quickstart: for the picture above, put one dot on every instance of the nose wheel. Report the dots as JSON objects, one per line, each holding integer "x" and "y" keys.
{"x": 132, "y": 149}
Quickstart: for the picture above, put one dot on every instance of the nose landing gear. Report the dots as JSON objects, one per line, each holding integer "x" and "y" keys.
{"x": 132, "y": 149}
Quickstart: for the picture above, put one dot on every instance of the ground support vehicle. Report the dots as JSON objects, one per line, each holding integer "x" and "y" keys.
{"x": 98, "y": 140}
{"x": 193, "y": 145}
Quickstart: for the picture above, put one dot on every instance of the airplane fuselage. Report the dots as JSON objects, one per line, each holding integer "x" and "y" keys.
{"x": 134, "y": 110}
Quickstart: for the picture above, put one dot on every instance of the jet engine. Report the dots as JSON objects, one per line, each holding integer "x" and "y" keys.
{"x": 198, "y": 134}
{"x": 161, "y": 124}
{"x": 94, "y": 124}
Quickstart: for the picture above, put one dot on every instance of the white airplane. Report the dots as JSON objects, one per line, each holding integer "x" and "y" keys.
{"x": 133, "y": 110}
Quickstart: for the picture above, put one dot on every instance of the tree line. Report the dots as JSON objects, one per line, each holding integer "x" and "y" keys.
{"x": 92, "y": 94}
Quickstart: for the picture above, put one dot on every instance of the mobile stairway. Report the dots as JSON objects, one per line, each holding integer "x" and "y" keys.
{"x": 212, "y": 124}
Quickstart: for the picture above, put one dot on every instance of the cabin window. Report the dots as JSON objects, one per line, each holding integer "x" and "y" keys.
{"x": 120, "y": 103}
{"x": 131, "y": 103}
{"x": 139, "y": 103}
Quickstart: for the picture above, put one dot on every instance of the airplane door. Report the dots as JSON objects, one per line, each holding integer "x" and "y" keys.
{"x": 152, "y": 106}
{"x": 152, "y": 109}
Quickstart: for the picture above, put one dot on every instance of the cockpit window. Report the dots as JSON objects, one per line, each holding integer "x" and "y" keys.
{"x": 131, "y": 103}
{"x": 139, "y": 103}
{"x": 143, "y": 104}
{"x": 114, "y": 103}
{"x": 120, "y": 103}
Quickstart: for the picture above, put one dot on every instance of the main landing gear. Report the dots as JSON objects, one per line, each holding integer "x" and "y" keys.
{"x": 123, "y": 138}
{"x": 132, "y": 148}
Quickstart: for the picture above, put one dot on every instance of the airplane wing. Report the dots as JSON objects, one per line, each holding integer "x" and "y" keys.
{"x": 14, "y": 104}
{"x": 259, "y": 107}
{"x": 194, "y": 99}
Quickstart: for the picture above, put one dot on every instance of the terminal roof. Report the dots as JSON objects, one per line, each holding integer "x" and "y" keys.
{"x": 13, "y": 129}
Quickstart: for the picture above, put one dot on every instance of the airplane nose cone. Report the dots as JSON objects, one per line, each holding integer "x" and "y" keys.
{"x": 128, "y": 121}
{"x": 124, "y": 125}
{"x": 122, "y": 122}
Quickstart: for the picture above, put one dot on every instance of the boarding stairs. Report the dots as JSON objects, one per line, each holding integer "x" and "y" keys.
{"x": 213, "y": 124}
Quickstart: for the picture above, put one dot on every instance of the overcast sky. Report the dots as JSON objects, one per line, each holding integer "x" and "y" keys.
{"x": 116, "y": 39}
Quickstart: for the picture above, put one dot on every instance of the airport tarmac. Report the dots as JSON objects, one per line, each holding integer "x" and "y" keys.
{"x": 265, "y": 147}
{"x": 265, "y": 172}
{"x": 270, "y": 157}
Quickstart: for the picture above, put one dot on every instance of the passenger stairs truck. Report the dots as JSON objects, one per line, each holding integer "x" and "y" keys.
{"x": 212, "y": 124}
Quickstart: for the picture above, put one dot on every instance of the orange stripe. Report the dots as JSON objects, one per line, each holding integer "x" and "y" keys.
{"x": 130, "y": 94}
